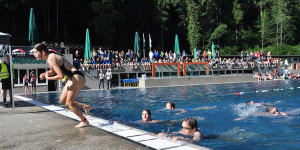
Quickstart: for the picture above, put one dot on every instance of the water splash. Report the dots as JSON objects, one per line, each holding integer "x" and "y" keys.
{"x": 294, "y": 112}
{"x": 244, "y": 110}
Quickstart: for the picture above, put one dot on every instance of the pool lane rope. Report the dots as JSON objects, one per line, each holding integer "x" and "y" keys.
{"x": 263, "y": 91}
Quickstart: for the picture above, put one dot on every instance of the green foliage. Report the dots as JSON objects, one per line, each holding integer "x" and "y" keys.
{"x": 227, "y": 50}
{"x": 297, "y": 22}
{"x": 249, "y": 38}
{"x": 194, "y": 28}
{"x": 283, "y": 49}
{"x": 237, "y": 12}
{"x": 106, "y": 20}
{"x": 219, "y": 32}
{"x": 276, "y": 24}
{"x": 10, "y": 4}
{"x": 162, "y": 12}
{"x": 237, "y": 16}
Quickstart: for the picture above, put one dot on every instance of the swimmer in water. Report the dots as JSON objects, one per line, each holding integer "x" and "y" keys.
{"x": 271, "y": 110}
{"x": 274, "y": 111}
{"x": 146, "y": 117}
{"x": 189, "y": 128}
{"x": 171, "y": 105}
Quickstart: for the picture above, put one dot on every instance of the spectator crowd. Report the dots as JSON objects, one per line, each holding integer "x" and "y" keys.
{"x": 107, "y": 59}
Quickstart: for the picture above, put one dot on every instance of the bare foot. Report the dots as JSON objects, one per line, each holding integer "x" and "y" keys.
{"x": 82, "y": 124}
{"x": 87, "y": 109}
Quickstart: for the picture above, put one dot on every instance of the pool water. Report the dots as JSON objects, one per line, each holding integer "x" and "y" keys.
{"x": 214, "y": 106}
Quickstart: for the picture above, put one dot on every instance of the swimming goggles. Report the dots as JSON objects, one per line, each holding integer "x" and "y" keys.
{"x": 274, "y": 112}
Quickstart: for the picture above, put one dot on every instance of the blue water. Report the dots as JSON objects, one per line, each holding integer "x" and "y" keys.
{"x": 214, "y": 106}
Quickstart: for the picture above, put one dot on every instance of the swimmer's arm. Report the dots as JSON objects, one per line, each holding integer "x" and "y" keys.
{"x": 169, "y": 122}
{"x": 53, "y": 63}
{"x": 283, "y": 113}
{"x": 175, "y": 138}
{"x": 195, "y": 139}
{"x": 50, "y": 72}
{"x": 158, "y": 121}
{"x": 197, "y": 136}
{"x": 259, "y": 104}
{"x": 163, "y": 134}
{"x": 241, "y": 118}
{"x": 182, "y": 110}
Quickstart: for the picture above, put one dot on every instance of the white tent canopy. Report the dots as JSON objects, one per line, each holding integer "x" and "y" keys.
{"x": 5, "y": 40}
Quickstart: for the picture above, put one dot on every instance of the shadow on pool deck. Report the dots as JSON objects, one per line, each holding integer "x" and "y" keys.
{"x": 31, "y": 127}
{"x": 17, "y": 104}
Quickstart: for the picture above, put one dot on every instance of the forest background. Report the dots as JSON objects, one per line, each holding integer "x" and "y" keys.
{"x": 234, "y": 25}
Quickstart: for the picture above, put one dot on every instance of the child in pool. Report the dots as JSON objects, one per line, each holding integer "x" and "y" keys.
{"x": 271, "y": 110}
{"x": 146, "y": 117}
{"x": 171, "y": 105}
{"x": 274, "y": 111}
{"x": 189, "y": 129}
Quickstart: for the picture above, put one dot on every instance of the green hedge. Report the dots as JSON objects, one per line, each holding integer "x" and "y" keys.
{"x": 275, "y": 50}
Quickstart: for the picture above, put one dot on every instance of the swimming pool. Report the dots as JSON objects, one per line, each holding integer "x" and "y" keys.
{"x": 214, "y": 106}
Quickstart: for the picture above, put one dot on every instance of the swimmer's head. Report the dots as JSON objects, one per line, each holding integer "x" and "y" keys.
{"x": 146, "y": 115}
{"x": 272, "y": 110}
{"x": 170, "y": 105}
{"x": 189, "y": 125}
{"x": 40, "y": 50}
{"x": 40, "y": 47}
{"x": 250, "y": 103}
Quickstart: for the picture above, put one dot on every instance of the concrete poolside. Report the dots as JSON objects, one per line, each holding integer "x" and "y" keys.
{"x": 32, "y": 127}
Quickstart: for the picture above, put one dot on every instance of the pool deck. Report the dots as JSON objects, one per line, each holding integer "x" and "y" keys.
{"x": 196, "y": 80}
{"x": 32, "y": 127}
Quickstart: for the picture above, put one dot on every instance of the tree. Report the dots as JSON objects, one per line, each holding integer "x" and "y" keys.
{"x": 194, "y": 28}
{"x": 218, "y": 33}
{"x": 264, "y": 23}
{"x": 105, "y": 21}
{"x": 162, "y": 8}
{"x": 238, "y": 17}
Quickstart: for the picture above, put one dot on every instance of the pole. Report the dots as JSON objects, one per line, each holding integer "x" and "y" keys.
{"x": 162, "y": 38}
{"x": 48, "y": 18}
{"x": 57, "y": 19}
{"x": 153, "y": 70}
{"x": 144, "y": 44}
{"x": 59, "y": 85}
{"x": 11, "y": 78}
